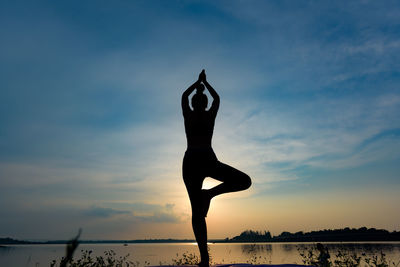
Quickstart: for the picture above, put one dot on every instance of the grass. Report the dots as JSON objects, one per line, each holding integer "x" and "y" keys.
{"x": 109, "y": 259}
{"x": 317, "y": 255}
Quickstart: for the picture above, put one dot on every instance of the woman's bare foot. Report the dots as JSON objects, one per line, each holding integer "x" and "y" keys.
{"x": 204, "y": 264}
{"x": 205, "y": 199}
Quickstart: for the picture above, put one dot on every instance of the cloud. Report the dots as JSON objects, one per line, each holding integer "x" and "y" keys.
{"x": 167, "y": 215}
{"x": 161, "y": 217}
{"x": 96, "y": 211}
{"x": 272, "y": 142}
{"x": 96, "y": 220}
{"x": 139, "y": 212}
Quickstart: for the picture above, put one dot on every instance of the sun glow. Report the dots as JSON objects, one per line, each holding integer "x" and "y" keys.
{"x": 210, "y": 183}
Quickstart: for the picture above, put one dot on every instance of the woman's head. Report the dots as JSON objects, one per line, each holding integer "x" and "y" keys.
{"x": 200, "y": 88}
{"x": 199, "y": 101}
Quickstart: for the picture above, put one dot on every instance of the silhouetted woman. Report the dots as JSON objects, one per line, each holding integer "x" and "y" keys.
{"x": 200, "y": 161}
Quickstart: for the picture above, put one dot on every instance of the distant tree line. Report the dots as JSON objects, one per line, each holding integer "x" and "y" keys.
{"x": 10, "y": 241}
{"x": 336, "y": 235}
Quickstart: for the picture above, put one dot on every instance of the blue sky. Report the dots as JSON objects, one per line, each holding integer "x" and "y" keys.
{"x": 92, "y": 134}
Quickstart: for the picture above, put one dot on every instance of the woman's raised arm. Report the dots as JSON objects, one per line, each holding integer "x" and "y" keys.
{"x": 185, "y": 97}
{"x": 215, "y": 104}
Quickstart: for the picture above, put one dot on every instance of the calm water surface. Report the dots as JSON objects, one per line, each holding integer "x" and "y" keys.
{"x": 154, "y": 254}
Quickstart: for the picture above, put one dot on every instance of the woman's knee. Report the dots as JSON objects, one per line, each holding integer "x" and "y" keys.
{"x": 241, "y": 180}
{"x": 246, "y": 181}
{"x": 197, "y": 213}
{"x": 196, "y": 217}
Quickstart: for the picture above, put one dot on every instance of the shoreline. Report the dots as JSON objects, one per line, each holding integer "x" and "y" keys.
{"x": 88, "y": 242}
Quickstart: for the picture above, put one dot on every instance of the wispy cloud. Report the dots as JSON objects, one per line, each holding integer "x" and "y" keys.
{"x": 90, "y": 104}
{"x": 97, "y": 211}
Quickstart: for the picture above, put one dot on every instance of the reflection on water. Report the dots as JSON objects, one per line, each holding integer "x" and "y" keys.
{"x": 256, "y": 248}
{"x": 289, "y": 252}
{"x": 287, "y": 247}
{"x": 269, "y": 253}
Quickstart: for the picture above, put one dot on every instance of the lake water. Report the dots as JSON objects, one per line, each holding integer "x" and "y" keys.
{"x": 154, "y": 254}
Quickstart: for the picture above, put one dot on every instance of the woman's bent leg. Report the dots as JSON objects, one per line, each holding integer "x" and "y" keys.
{"x": 232, "y": 180}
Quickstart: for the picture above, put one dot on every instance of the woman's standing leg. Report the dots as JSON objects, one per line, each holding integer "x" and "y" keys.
{"x": 198, "y": 221}
{"x": 193, "y": 182}
{"x": 200, "y": 232}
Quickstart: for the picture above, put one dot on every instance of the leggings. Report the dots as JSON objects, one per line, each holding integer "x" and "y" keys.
{"x": 199, "y": 163}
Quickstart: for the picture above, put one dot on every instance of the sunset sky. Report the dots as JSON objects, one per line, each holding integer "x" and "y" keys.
{"x": 92, "y": 135}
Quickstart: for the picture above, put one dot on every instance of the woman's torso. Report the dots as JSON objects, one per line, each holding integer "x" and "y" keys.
{"x": 199, "y": 128}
